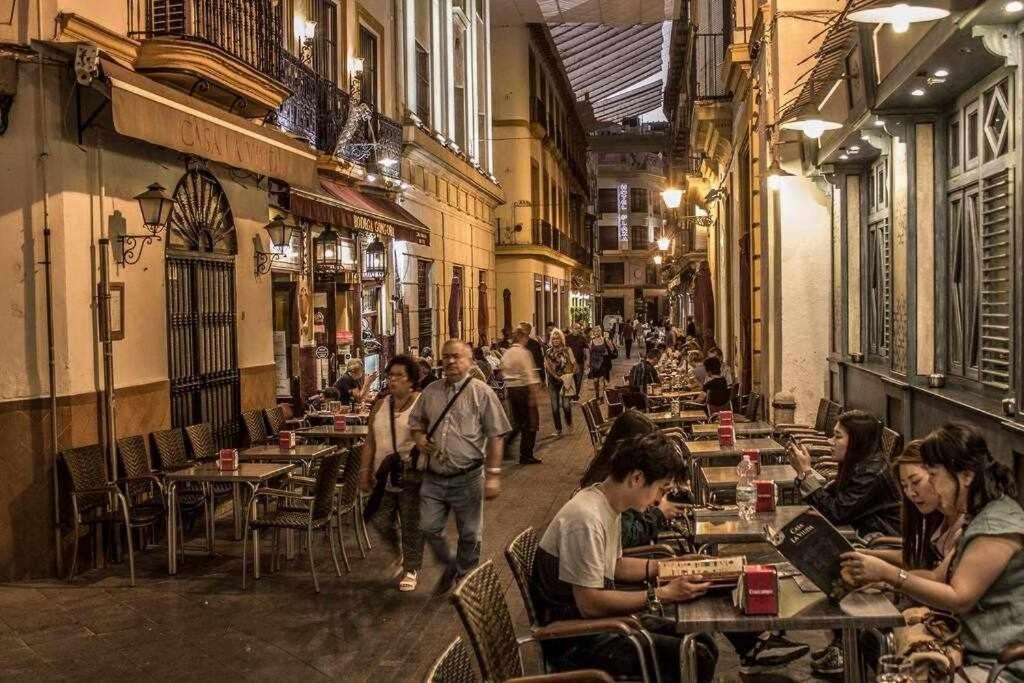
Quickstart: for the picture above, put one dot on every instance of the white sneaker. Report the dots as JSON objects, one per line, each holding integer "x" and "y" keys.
{"x": 408, "y": 582}
{"x": 558, "y": 433}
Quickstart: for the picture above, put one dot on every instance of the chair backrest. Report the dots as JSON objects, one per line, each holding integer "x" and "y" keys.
{"x": 87, "y": 467}
{"x": 200, "y": 439}
{"x": 821, "y": 417}
{"x": 455, "y": 665}
{"x": 595, "y": 438}
{"x": 892, "y": 443}
{"x": 832, "y": 417}
{"x": 275, "y": 419}
{"x": 326, "y": 480}
{"x": 349, "y": 480}
{"x": 481, "y": 606}
{"x": 170, "y": 449}
{"x": 595, "y": 411}
{"x": 134, "y": 459}
{"x": 753, "y": 407}
{"x": 255, "y": 429}
{"x": 520, "y": 554}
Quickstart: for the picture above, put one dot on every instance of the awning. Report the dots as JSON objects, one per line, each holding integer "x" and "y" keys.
{"x": 344, "y": 206}
{"x": 156, "y": 113}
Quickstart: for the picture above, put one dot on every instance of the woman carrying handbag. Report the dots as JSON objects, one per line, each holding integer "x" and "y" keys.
{"x": 560, "y": 364}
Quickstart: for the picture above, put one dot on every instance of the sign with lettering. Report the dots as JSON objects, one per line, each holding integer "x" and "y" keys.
{"x": 623, "y": 216}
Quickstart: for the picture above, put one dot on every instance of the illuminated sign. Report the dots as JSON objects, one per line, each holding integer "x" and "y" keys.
{"x": 623, "y": 213}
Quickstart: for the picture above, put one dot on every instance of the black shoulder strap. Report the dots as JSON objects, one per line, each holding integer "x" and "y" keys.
{"x": 448, "y": 407}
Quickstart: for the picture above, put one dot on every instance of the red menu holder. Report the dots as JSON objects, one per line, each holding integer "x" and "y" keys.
{"x": 760, "y": 590}
{"x": 227, "y": 460}
{"x": 766, "y": 493}
{"x": 340, "y": 424}
{"x": 725, "y": 417}
{"x": 726, "y": 437}
{"x": 286, "y": 439}
{"x": 755, "y": 457}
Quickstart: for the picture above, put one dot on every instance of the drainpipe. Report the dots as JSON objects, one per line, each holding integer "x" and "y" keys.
{"x": 108, "y": 356}
{"x": 50, "y": 344}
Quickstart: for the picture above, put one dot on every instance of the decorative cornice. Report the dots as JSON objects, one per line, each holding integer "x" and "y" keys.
{"x": 73, "y": 28}
{"x": 510, "y": 251}
{"x": 418, "y": 140}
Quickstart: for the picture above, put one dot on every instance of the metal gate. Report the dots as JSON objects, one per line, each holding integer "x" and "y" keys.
{"x": 203, "y": 358}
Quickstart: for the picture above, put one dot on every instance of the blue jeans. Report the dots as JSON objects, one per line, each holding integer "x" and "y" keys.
{"x": 463, "y": 495}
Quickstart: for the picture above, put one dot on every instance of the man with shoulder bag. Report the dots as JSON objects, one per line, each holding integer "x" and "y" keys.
{"x": 457, "y": 424}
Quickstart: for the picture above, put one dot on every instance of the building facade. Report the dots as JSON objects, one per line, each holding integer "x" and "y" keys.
{"x": 544, "y": 236}
{"x": 630, "y": 218}
{"x": 318, "y": 215}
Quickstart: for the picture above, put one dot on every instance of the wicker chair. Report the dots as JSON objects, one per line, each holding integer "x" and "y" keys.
{"x": 892, "y": 444}
{"x": 200, "y": 440}
{"x": 480, "y": 602}
{"x": 349, "y": 503}
{"x": 169, "y": 445}
{"x": 317, "y": 516}
{"x": 143, "y": 489}
{"x": 255, "y": 429}
{"x": 751, "y": 408}
{"x": 91, "y": 495}
{"x": 455, "y": 665}
{"x": 275, "y": 420}
{"x": 785, "y": 429}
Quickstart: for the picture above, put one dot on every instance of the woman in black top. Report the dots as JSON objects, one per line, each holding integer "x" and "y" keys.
{"x": 864, "y": 494}
{"x": 716, "y": 390}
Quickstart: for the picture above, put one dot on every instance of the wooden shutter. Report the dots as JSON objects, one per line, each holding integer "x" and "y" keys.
{"x": 996, "y": 278}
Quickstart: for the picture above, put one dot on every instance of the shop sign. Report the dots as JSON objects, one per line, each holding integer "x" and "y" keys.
{"x": 322, "y": 352}
{"x": 344, "y": 337}
{"x": 623, "y": 213}
{"x": 374, "y": 225}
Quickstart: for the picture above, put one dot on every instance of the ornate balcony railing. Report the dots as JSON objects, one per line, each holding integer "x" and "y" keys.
{"x": 710, "y": 53}
{"x": 299, "y": 115}
{"x": 543, "y": 234}
{"x": 248, "y": 30}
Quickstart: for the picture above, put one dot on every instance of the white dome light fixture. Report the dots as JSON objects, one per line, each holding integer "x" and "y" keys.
{"x": 811, "y": 123}
{"x": 899, "y": 16}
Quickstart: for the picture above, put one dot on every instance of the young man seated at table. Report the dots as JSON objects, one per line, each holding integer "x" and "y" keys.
{"x": 640, "y": 377}
{"x": 579, "y": 565}
{"x": 716, "y": 394}
{"x": 354, "y": 385}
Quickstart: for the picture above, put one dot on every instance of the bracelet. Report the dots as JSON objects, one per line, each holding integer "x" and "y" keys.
{"x": 493, "y": 470}
{"x": 901, "y": 577}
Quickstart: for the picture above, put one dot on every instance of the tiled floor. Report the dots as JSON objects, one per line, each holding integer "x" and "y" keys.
{"x": 200, "y": 625}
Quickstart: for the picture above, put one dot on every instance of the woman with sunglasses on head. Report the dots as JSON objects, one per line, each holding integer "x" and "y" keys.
{"x": 983, "y": 583}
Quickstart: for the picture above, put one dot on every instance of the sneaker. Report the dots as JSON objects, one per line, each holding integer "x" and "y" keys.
{"x": 558, "y": 433}
{"x": 408, "y": 582}
{"x": 447, "y": 581}
{"x": 771, "y": 652}
{"x": 820, "y": 652}
{"x": 830, "y": 664}
{"x": 530, "y": 461}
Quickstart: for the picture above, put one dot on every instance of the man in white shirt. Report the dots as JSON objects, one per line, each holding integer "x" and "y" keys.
{"x": 522, "y": 384}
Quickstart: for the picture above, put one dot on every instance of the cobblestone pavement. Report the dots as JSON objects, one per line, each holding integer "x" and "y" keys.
{"x": 200, "y": 625}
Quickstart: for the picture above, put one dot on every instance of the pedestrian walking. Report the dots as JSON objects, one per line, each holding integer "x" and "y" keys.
{"x": 522, "y": 384}
{"x": 388, "y": 452}
{"x": 602, "y": 352}
{"x": 627, "y": 338}
{"x": 560, "y": 364}
{"x": 577, "y": 340}
{"x": 457, "y": 424}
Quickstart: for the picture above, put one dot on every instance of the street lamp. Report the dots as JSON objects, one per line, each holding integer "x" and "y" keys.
{"x": 658, "y": 259}
{"x": 899, "y": 16}
{"x": 672, "y": 196}
{"x": 664, "y": 243}
{"x": 810, "y": 122}
{"x": 775, "y": 175}
{"x": 374, "y": 266}
{"x": 326, "y": 251}
{"x": 156, "y": 208}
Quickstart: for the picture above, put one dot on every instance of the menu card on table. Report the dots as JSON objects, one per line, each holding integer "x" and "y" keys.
{"x": 814, "y": 546}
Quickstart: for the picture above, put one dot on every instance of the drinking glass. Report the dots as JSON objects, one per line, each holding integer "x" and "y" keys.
{"x": 894, "y": 669}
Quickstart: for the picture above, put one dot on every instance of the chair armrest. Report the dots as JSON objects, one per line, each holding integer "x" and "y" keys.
{"x": 572, "y": 628}
{"x": 640, "y": 550}
{"x": 581, "y": 676}
{"x": 301, "y": 480}
{"x": 1012, "y": 653}
{"x": 604, "y": 427}
{"x": 110, "y": 487}
{"x": 281, "y": 493}
{"x": 791, "y": 425}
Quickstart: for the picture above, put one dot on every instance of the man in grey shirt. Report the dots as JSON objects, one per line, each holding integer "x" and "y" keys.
{"x": 469, "y": 433}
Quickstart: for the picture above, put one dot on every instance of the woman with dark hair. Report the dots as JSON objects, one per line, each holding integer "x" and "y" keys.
{"x": 864, "y": 494}
{"x": 398, "y": 516}
{"x": 984, "y": 582}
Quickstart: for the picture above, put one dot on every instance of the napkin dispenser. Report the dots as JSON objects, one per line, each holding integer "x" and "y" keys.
{"x": 340, "y": 423}
{"x": 766, "y": 493}
{"x": 726, "y": 436}
{"x": 757, "y": 592}
{"x": 227, "y": 459}
{"x": 725, "y": 417}
{"x": 286, "y": 439}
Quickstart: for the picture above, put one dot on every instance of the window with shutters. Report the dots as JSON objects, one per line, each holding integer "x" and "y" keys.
{"x": 371, "y": 66}
{"x": 607, "y": 200}
{"x": 879, "y": 280}
{"x": 979, "y": 205}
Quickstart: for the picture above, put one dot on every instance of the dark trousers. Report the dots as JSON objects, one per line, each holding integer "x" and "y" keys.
{"x": 616, "y": 655}
{"x": 629, "y": 348}
{"x": 559, "y": 405}
{"x": 525, "y": 419}
{"x": 398, "y": 521}
{"x": 577, "y": 377}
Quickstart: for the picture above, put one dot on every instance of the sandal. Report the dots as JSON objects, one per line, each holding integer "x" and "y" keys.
{"x": 408, "y": 582}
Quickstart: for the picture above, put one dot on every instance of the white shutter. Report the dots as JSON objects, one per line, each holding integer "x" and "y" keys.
{"x": 996, "y": 278}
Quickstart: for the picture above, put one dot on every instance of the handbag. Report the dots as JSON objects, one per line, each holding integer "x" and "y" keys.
{"x": 613, "y": 351}
{"x": 931, "y": 643}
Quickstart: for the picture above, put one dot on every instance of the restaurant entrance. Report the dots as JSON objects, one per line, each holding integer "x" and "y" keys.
{"x": 201, "y": 344}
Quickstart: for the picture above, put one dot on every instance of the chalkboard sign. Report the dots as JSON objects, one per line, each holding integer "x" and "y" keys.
{"x": 814, "y": 547}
